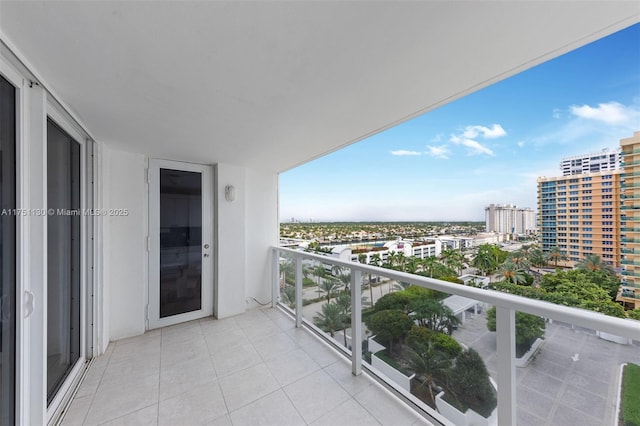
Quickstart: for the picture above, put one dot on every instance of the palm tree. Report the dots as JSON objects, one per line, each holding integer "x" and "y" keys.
{"x": 288, "y": 295}
{"x": 343, "y": 301}
{"x": 556, "y": 255}
{"x": 401, "y": 261}
{"x": 412, "y": 265}
{"x": 537, "y": 258}
{"x": 330, "y": 319}
{"x": 428, "y": 263}
{"x": 345, "y": 280}
{"x": 427, "y": 362}
{"x": 593, "y": 262}
{"x": 391, "y": 260}
{"x": 362, "y": 258}
{"x": 452, "y": 258}
{"x": 286, "y": 269}
{"x": 485, "y": 261}
{"x": 329, "y": 286}
{"x": 319, "y": 272}
{"x": 512, "y": 273}
{"x": 519, "y": 258}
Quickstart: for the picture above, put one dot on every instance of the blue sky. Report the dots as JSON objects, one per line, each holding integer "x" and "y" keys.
{"x": 488, "y": 147}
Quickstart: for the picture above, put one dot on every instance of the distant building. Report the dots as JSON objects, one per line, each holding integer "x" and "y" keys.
{"x": 602, "y": 161}
{"x": 629, "y": 292}
{"x": 580, "y": 214}
{"x": 509, "y": 219}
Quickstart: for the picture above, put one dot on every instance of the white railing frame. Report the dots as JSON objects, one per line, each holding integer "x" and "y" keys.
{"x": 506, "y": 306}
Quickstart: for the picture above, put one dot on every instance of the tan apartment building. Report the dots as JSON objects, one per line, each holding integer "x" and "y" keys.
{"x": 630, "y": 222}
{"x": 580, "y": 214}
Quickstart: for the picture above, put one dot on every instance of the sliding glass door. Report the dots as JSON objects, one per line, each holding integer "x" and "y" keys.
{"x": 63, "y": 257}
{"x": 7, "y": 252}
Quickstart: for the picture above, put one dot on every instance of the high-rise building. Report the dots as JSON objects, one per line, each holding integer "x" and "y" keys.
{"x": 630, "y": 222}
{"x": 509, "y": 219}
{"x": 602, "y": 161}
{"x": 580, "y": 214}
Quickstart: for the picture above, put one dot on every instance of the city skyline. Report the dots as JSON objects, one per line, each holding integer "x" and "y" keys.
{"x": 488, "y": 147}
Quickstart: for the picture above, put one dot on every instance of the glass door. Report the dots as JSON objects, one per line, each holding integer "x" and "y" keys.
{"x": 7, "y": 252}
{"x": 180, "y": 262}
{"x": 64, "y": 298}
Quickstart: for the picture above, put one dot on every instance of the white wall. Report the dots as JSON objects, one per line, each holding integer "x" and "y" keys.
{"x": 125, "y": 270}
{"x": 244, "y": 230}
{"x": 104, "y": 239}
{"x": 230, "y": 236}
{"x": 262, "y": 232}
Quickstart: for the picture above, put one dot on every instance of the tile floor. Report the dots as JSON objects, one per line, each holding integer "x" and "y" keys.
{"x": 254, "y": 369}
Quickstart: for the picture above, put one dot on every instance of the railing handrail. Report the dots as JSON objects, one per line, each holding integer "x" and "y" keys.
{"x": 580, "y": 317}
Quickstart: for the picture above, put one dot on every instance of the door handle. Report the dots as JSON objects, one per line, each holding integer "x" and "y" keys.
{"x": 206, "y": 255}
{"x": 29, "y": 303}
{"x": 206, "y": 246}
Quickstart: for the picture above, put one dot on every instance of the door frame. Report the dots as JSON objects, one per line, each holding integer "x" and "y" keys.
{"x": 153, "y": 319}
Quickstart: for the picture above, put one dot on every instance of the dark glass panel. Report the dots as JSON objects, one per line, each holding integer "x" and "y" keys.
{"x": 180, "y": 242}
{"x": 63, "y": 256}
{"x": 7, "y": 251}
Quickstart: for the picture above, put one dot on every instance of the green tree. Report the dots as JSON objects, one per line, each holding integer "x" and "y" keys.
{"x": 593, "y": 262}
{"x": 442, "y": 342}
{"x": 343, "y": 301}
{"x": 389, "y": 326}
{"x": 319, "y": 272}
{"x": 330, "y": 319}
{"x": 634, "y": 314}
{"x": 287, "y": 270}
{"x": 556, "y": 255}
{"x": 537, "y": 257}
{"x": 427, "y": 362}
{"x": 434, "y": 315}
{"x": 470, "y": 385}
{"x": 345, "y": 280}
{"x": 528, "y": 328}
{"x": 428, "y": 264}
{"x": 329, "y": 286}
{"x": 399, "y": 300}
{"x": 288, "y": 295}
{"x": 412, "y": 265}
{"x": 452, "y": 259}
{"x": 519, "y": 258}
{"x": 486, "y": 260}
{"x": 512, "y": 273}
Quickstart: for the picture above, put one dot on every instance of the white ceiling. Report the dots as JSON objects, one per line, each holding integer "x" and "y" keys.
{"x": 271, "y": 85}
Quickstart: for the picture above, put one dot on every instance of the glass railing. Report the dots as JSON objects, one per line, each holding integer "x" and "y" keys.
{"x": 631, "y": 273}
{"x": 444, "y": 349}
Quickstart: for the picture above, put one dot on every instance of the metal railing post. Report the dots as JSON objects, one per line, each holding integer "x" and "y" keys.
{"x": 298, "y": 291}
{"x": 506, "y": 352}
{"x": 275, "y": 278}
{"x": 356, "y": 324}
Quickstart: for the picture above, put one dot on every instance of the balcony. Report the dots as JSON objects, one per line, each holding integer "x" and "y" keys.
{"x": 274, "y": 366}
{"x": 257, "y": 368}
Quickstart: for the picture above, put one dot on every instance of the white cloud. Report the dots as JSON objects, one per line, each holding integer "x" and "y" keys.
{"x": 438, "y": 151}
{"x": 474, "y": 147}
{"x": 404, "y": 153}
{"x": 521, "y": 144}
{"x": 609, "y": 113}
{"x": 495, "y": 131}
{"x": 593, "y": 128}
